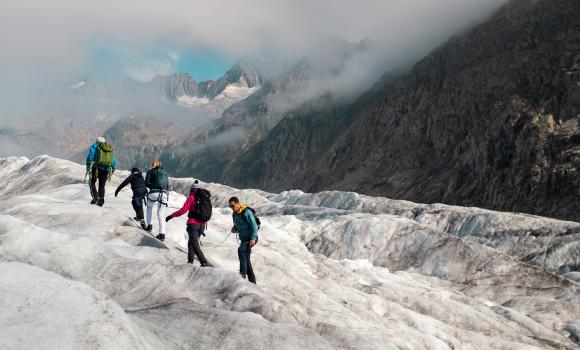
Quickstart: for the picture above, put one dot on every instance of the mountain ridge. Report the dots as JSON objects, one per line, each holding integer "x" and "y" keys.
{"x": 489, "y": 119}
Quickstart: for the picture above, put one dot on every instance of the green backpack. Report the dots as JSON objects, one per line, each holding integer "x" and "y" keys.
{"x": 104, "y": 158}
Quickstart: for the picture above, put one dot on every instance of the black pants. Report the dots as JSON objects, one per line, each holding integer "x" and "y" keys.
{"x": 137, "y": 203}
{"x": 244, "y": 252}
{"x": 102, "y": 176}
{"x": 193, "y": 248}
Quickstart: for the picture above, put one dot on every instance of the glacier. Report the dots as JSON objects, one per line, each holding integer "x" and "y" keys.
{"x": 335, "y": 270}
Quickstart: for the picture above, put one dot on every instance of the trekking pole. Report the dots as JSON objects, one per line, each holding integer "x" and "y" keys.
{"x": 88, "y": 170}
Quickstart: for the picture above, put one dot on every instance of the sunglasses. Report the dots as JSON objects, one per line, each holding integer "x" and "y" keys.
{"x": 232, "y": 206}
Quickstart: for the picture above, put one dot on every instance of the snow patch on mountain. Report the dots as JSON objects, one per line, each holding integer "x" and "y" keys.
{"x": 236, "y": 93}
{"x": 78, "y": 85}
{"x": 192, "y": 101}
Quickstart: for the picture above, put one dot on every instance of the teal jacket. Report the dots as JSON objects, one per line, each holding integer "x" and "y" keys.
{"x": 246, "y": 225}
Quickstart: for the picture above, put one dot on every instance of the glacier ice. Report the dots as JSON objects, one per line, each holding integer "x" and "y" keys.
{"x": 335, "y": 270}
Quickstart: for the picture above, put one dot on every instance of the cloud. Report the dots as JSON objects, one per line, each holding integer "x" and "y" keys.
{"x": 146, "y": 71}
{"x": 228, "y": 137}
{"x": 48, "y": 44}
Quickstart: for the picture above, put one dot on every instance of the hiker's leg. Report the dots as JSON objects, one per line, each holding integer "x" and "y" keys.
{"x": 93, "y": 186}
{"x": 103, "y": 176}
{"x": 190, "y": 245}
{"x": 161, "y": 214}
{"x": 193, "y": 245}
{"x": 249, "y": 269}
{"x": 143, "y": 204}
{"x": 242, "y": 257}
{"x": 150, "y": 203}
{"x": 138, "y": 207}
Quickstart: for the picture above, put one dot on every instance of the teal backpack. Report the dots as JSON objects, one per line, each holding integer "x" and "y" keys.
{"x": 159, "y": 179}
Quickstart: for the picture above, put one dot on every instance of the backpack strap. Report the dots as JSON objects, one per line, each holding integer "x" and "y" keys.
{"x": 244, "y": 216}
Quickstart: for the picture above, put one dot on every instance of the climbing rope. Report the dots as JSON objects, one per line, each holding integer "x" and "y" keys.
{"x": 220, "y": 244}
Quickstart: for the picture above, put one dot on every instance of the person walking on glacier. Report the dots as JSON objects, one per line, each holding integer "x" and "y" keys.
{"x": 139, "y": 193}
{"x": 101, "y": 165}
{"x": 246, "y": 224}
{"x": 157, "y": 182}
{"x": 199, "y": 209}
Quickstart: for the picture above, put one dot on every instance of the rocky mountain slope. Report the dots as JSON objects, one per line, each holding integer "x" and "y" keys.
{"x": 335, "y": 270}
{"x": 251, "y": 119}
{"x": 167, "y": 109}
{"x": 489, "y": 119}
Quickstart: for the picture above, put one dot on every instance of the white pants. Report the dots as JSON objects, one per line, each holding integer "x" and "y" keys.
{"x": 159, "y": 199}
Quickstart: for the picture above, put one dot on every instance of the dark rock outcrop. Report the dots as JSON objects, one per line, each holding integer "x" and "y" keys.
{"x": 489, "y": 119}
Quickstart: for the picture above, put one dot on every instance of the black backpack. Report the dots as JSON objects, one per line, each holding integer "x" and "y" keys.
{"x": 256, "y": 217}
{"x": 202, "y": 209}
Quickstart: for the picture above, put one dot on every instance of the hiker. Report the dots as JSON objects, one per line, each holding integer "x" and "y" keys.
{"x": 247, "y": 228}
{"x": 157, "y": 182}
{"x": 139, "y": 192}
{"x": 198, "y": 207}
{"x": 101, "y": 165}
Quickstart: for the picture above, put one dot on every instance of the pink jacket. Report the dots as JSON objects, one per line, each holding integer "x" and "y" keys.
{"x": 189, "y": 204}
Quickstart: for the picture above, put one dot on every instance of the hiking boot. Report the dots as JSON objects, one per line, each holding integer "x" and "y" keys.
{"x": 190, "y": 261}
{"x": 101, "y": 202}
{"x": 204, "y": 264}
{"x": 243, "y": 275}
{"x": 93, "y": 201}
{"x": 143, "y": 226}
{"x": 160, "y": 237}
{"x": 149, "y": 228}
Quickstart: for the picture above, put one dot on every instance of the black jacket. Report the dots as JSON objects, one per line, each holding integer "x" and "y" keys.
{"x": 137, "y": 184}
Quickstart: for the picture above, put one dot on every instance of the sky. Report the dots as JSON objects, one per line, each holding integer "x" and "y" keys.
{"x": 110, "y": 60}
{"x": 49, "y": 45}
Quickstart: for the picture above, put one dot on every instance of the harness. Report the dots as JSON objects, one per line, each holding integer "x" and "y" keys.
{"x": 159, "y": 197}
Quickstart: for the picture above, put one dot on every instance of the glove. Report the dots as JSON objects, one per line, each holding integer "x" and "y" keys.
{"x": 168, "y": 218}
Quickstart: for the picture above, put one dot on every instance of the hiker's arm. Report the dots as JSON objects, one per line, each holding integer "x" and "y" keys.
{"x": 252, "y": 221}
{"x": 91, "y": 155}
{"x": 185, "y": 208}
{"x": 123, "y": 184}
{"x": 147, "y": 180}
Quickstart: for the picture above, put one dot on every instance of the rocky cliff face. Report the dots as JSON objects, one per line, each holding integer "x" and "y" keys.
{"x": 490, "y": 119}
{"x": 252, "y": 119}
{"x": 177, "y": 85}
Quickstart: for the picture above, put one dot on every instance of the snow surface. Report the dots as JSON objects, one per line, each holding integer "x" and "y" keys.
{"x": 335, "y": 270}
